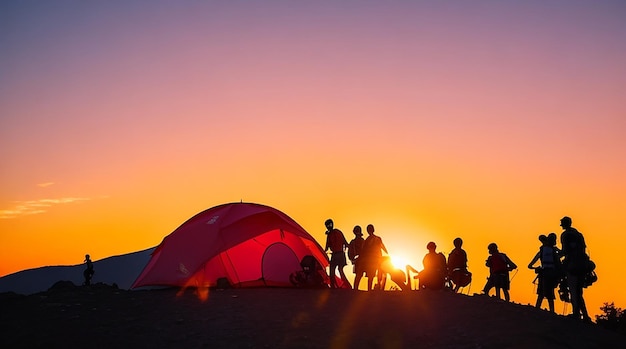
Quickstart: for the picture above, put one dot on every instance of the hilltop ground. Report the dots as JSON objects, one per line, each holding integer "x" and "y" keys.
{"x": 103, "y": 316}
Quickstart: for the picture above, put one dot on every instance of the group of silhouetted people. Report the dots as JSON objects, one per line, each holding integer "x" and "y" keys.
{"x": 576, "y": 264}
{"x": 366, "y": 256}
{"x": 565, "y": 267}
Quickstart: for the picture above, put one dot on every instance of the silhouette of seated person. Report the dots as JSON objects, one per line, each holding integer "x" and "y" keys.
{"x": 457, "y": 266}
{"x": 311, "y": 275}
{"x": 433, "y": 276}
{"x": 396, "y": 274}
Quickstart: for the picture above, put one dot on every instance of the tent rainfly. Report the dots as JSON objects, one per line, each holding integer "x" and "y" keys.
{"x": 247, "y": 244}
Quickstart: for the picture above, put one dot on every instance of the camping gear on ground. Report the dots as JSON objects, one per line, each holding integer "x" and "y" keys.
{"x": 248, "y": 244}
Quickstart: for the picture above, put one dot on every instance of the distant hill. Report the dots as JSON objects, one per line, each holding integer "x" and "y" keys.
{"x": 121, "y": 270}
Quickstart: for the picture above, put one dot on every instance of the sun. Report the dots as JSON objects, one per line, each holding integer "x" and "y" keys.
{"x": 398, "y": 261}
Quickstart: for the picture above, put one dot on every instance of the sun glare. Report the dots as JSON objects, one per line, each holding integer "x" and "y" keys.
{"x": 398, "y": 261}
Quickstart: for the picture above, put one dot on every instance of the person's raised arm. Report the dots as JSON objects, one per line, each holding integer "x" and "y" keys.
{"x": 510, "y": 263}
{"x": 535, "y": 259}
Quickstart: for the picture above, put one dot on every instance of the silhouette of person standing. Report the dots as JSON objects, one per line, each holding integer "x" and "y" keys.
{"x": 355, "y": 249}
{"x": 88, "y": 273}
{"x": 457, "y": 266}
{"x": 549, "y": 272}
{"x": 435, "y": 269}
{"x": 575, "y": 265}
{"x": 372, "y": 253}
{"x": 499, "y": 267}
{"x": 336, "y": 243}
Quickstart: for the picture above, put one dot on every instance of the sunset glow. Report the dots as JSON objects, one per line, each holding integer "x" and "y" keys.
{"x": 431, "y": 120}
{"x": 399, "y": 262}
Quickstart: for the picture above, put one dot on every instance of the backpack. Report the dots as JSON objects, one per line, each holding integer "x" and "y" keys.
{"x": 354, "y": 248}
{"x": 590, "y": 274}
{"x": 590, "y": 278}
{"x": 498, "y": 262}
{"x": 576, "y": 259}
{"x": 549, "y": 257}
{"x": 351, "y": 251}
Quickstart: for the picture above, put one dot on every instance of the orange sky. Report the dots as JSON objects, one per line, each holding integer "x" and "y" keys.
{"x": 484, "y": 120}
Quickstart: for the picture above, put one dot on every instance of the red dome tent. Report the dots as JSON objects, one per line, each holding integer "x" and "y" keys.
{"x": 248, "y": 244}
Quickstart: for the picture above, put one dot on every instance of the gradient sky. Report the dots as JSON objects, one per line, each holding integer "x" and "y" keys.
{"x": 488, "y": 120}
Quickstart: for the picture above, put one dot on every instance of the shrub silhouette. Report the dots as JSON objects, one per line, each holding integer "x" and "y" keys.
{"x": 612, "y": 318}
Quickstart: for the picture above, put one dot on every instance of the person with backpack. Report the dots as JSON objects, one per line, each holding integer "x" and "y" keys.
{"x": 548, "y": 273}
{"x": 355, "y": 248}
{"x": 435, "y": 269}
{"x": 336, "y": 243}
{"x": 457, "y": 266}
{"x": 576, "y": 265}
{"x": 499, "y": 267}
